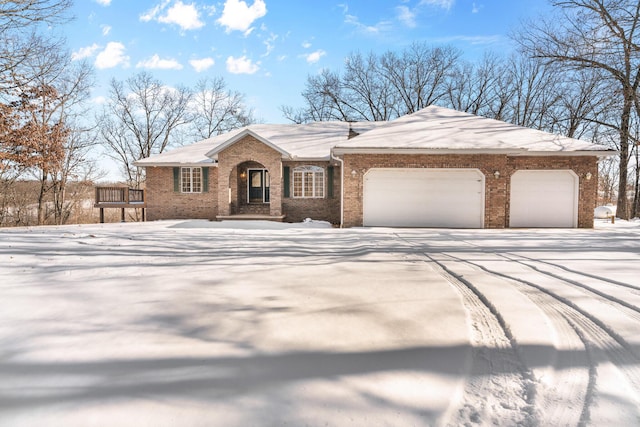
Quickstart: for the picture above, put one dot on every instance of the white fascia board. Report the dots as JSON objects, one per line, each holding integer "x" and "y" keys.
{"x": 310, "y": 159}
{"x": 239, "y": 136}
{"x": 176, "y": 164}
{"x": 577, "y": 153}
{"x": 439, "y": 151}
{"x": 364, "y": 150}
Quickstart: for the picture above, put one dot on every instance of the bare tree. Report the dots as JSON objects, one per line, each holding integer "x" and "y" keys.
{"x": 217, "y": 110}
{"x": 19, "y": 40}
{"x": 20, "y": 14}
{"x": 325, "y": 98}
{"x": 598, "y": 34}
{"x": 378, "y": 88}
{"x": 142, "y": 117}
{"x": 369, "y": 95}
{"x": 419, "y": 75}
{"x": 475, "y": 87}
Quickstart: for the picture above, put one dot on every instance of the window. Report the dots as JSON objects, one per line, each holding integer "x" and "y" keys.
{"x": 191, "y": 180}
{"x": 308, "y": 181}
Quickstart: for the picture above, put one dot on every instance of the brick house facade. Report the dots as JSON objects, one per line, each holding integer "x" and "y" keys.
{"x": 293, "y": 172}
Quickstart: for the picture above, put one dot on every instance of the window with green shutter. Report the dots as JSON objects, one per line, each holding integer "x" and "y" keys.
{"x": 287, "y": 181}
{"x": 205, "y": 180}
{"x": 176, "y": 180}
{"x": 330, "y": 181}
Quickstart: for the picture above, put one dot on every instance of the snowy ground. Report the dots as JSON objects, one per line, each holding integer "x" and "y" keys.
{"x": 220, "y": 324}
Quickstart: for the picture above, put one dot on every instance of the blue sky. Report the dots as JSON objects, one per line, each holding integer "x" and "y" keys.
{"x": 267, "y": 48}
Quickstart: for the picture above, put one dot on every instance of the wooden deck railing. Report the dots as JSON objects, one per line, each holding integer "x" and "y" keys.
{"x": 119, "y": 195}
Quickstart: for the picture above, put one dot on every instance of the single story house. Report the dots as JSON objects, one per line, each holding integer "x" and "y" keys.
{"x": 434, "y": 168}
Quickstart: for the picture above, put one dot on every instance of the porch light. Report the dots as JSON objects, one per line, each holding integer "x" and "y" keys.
{"x": 354, "y": 173}
{"x": 588, "y": 176}
{"x": 496, "y": 174}
{"x": 243, "y": 174}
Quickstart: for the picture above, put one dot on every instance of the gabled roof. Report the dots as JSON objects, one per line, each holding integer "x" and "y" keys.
{"x": 311, "y": 141}
{"x": 442, "y": 129}
{"x": 237, "y": 137}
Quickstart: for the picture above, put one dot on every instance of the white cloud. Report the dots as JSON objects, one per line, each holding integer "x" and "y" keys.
{"x": 84, "y": 52}
{"x": 112, "y": 56}
{"x": 472, "y": 40}
{"x": 270, "y": 44}
{"x": 238, "y": 16}
{"x": 314, "y": 57}
{"x": 106, "y": 29}
{"x": 99, "y": 100}
{"x": 103, "y": 2}
{"x": 152, "y": 13}
{"x": 382, "y": 26}
{"x": 186, "y": 16}
{"x": 444, "y": 4}
{"x": 156, "y": 63}
{"x": 241, "y": 65}
{"x": 306, "y": 45}
{"x": 202, "y": 64}
{"x": 406, "y": 16}
{"x": 475, "y": 8}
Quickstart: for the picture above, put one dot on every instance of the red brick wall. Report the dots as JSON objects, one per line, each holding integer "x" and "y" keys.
{"x": 326, "y": 208}
{"x": 164, "y": 203}
{"x": 496, "y": 190}
{"x": 248, "y": 149}
{"x": 587, "y": 189}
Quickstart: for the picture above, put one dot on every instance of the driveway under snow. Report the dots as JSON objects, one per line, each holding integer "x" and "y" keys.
{"x": 197, "y": 323}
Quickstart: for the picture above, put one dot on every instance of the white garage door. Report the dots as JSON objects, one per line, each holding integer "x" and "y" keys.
{"x": 424, "y": 198}
{"x": 544, "y": 199}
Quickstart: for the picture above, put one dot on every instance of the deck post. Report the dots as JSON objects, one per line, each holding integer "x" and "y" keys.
{"x": 122, "y": 215}
{"x": 101, "y": 215}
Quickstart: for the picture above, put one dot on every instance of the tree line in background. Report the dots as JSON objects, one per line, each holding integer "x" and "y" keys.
{"x": 576, "y": 74}
{"x": 48, "y": 142}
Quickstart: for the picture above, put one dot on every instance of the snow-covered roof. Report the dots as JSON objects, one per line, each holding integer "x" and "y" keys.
{"x": 436, "y": 128}
{"x": 432, "y": 129}
{"x": 295, "y": 141}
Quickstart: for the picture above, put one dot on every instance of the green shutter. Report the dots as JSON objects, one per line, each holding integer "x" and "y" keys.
{"x": 205, "y": 180}
{"x": 176, "y": 180}
{"x": 285, "y": 171}
{"x": 330, "y": 182}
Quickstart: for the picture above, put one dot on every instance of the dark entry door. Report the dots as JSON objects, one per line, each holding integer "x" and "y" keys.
{"x": 258, "y": 186}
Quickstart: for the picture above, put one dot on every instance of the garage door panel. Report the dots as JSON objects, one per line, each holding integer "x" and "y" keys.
{"x": 424, "y": 198}
{"x": 544, "y": 198}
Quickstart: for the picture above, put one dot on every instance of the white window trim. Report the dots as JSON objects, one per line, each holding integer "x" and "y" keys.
{"x": 191, "y": 174}
{"x": 315, "y": 170}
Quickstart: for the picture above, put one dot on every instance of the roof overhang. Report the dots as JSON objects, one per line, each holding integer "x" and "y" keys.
{"x": 442, "y": 151}
{"x": 175, "y": 164}
{"x": 247, "y": 132}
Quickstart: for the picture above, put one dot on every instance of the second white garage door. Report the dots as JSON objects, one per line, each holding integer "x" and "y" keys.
{"x": 544, "y": 198}
{"x": 424, "y": 198}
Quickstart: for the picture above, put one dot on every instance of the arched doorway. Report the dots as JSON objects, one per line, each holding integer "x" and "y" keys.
{"x": 253, "y": 188}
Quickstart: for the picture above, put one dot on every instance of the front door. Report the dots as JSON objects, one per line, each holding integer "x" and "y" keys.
{"x": 258, "y": 186}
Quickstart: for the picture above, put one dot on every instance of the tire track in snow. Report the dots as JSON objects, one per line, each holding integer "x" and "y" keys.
{"x": 634, "y": 289}
{"x": 631, "y": 310}
{"x": 504, "y": 393}
{"x": 610, "y": 352}
{"x": 561, "y": 392}
{"x": 490, "y": 387}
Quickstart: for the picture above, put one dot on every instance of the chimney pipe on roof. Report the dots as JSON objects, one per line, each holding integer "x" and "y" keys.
{"x": 352, "y": 133}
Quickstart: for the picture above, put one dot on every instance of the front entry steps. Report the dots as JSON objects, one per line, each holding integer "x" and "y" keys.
{"x": 251, "y": 217}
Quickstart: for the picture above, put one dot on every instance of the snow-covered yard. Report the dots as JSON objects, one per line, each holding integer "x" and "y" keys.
{"x": 211, "y": 324}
